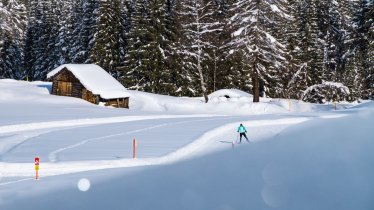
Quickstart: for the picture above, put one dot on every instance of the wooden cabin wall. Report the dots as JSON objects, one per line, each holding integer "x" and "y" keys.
{"x": 89, "y": 96}
{"x": 117, "y": 102}
{"x": 126, "y": 103}
{"x": 54, "y": 87}
{"x": 79, "y": 91}
{"x": 66, "y": 76}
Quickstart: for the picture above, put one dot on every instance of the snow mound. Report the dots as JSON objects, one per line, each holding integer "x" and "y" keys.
{"x": 364, "y": 105}
{"x": 12, "y": 90}
{"x": 229, "y": 95}
{"x": 33, "y": 93}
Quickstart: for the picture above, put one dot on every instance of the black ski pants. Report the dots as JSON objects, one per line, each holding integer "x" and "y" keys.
{"x": 241, "y": 135}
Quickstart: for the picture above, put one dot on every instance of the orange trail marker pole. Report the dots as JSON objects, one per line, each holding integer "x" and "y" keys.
{"x": 134, "y": 148}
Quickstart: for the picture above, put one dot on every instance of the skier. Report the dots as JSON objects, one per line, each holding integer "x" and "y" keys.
{"x": 242, "y": 131}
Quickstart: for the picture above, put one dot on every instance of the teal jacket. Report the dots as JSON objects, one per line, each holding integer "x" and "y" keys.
{"x": 242, "y": 129}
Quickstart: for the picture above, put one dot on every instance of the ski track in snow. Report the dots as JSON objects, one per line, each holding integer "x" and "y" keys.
{"x": 16, "y": 181}
{"x": 53, "y": 156}
{"x": 195, "y": 148}
{"x": 8, "y": 129}
{"x": 12, "y": 142}
{"x": 12, "y": 137}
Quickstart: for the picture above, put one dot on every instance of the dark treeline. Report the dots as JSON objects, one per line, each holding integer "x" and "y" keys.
{"x": 315, "y": 50}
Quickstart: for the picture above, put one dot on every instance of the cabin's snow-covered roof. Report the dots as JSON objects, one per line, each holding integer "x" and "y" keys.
{"x": 94, "y": 79}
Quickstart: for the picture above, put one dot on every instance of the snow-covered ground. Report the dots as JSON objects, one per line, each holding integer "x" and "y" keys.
{"x": 301, "y": 156}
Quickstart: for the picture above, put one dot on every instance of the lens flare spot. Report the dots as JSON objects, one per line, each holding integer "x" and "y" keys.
{"x": 84, "y": 185}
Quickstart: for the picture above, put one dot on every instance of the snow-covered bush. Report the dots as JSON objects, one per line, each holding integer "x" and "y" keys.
{"x": 326, "y": 92}
{"x": 229, "y": 95}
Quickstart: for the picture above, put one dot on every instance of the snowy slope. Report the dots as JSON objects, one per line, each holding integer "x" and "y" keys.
{"x": 298, "y": 169}
{"x": 185, "y": 158}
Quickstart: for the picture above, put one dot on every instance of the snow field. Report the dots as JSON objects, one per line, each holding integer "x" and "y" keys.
{"x": 209, "y": 142}
{"x": 311, "y": 157}
{"x": 297, "y": 169}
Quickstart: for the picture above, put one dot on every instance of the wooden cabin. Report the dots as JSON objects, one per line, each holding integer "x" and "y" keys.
{"x": 89, "y": 82}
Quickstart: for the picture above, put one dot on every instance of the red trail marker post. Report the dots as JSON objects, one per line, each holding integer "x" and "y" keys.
{"x": 37, "y": 161}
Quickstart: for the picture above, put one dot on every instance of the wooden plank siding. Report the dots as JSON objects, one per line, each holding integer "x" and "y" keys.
{"x": 117, "y": 102}
{"x": 71, "y": 86}
{"x": 67, "y": 76}
{"x": 89, "y": 96}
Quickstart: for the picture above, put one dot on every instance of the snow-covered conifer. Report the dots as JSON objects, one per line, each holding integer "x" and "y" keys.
{"x": 264, "y": 54}
{"x": 12, "y": 27}
{"x": 145, "y": 61}
{"x": 83, "y": 29}
{"x": 105, "y": 51}
{"x": 197, "y": 26}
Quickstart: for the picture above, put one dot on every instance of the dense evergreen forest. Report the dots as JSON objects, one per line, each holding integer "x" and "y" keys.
{"x": 315, "y": 50}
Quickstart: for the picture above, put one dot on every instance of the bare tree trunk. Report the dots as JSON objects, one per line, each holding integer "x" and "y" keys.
{"x": 202, "y": 83}
{"x": 199, "y": 52}
{"x": 255, "y": 77}
{"x": 215, "y": 71}
{"x": 256, "y": 86}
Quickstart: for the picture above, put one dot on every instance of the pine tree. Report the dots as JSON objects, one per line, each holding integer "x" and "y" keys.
{"x": 53, "y": 35}
{"x": 370, "y": 23}
{"x": 144, "y": 67}
{"x": 41, "y": 38}
{"x": 78, "y": 39}
{"x": 162, "y": 75}
{"x": 2, "y": 47}
{"x": 11, "y": 59}
{"x": 173, "y": 59}
{"x": 12, "y": 18}
{"x": 105, "y": 51}
{"x": 125, "y": 25}
{"x": 362, "y": 60}
{"x": 61, "y": 50}
{"x": 295, "y": 79}
{"x": 83, "y": 30}
{"x": 234, "y": 74}
{"x": 133, "y": 75}
{"x": 337, "y": 37}
{"x": 197, "y": 25}
{"x": 217, "y": 64}
{"x": 29, "y": 42}
{"x": 36, "y": 43}
{"x": 12, "y": 27}
{"x": 263, "y": 53}
{"x": 5, "y": 41}
{"x": 312, "y": 43}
